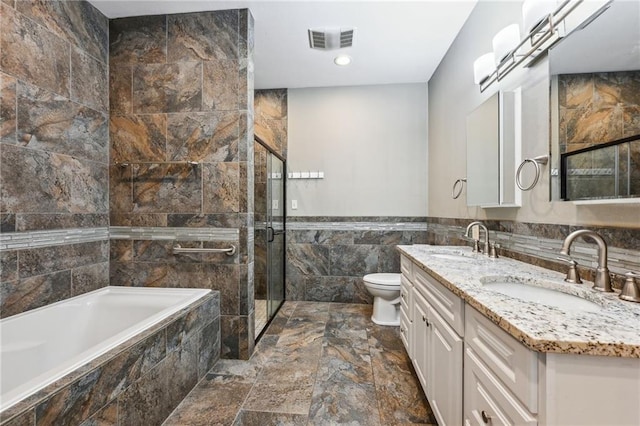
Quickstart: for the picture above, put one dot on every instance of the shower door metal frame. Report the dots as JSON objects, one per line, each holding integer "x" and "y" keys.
{"x": 271, "y": 235}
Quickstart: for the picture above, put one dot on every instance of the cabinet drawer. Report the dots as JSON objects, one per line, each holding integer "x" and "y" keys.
{"x": 406, "y": 267}
{"x": 405, "y": 333}
{"x": 448, "y": 305}
{"x": 510, "y": 361}
{"x": 406, "y": 297}
{"x": 485, "y": 396}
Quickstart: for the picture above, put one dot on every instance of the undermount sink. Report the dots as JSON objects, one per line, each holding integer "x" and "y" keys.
{"x": 530, "y": 292}
{"x": 452, "y": 256}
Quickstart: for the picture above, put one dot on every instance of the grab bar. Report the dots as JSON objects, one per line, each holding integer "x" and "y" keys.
{"x": 229, "y": 251}
{"x": 536, "y": 161}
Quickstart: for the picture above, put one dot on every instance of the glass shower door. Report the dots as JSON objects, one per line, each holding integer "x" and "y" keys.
{"x": 276, "y": 227}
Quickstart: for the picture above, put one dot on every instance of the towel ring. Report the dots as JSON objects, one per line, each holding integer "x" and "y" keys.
{"x": 458, "y": 185}
{"x": 536, "y": 161}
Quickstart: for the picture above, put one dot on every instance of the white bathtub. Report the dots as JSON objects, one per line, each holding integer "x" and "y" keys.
{"x": 40, "y": 346}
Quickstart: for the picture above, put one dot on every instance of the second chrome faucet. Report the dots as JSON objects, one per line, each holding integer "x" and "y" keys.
{"x": 602, "y": 280}
{"x": 489, "y": 249}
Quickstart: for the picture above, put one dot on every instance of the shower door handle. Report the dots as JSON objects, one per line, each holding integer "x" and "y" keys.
{"x": 270, "y": 234}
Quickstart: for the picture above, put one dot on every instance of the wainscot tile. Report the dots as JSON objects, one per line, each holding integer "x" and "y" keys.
{"x": 223, "y": 220}
{"x": 138, "y": 219}
{"x": 31, "y": 53}
{"x": 140, "y": 39}
{"x": 138, "y": 137}
{"x": 203, "y": 36}
{"x": 38, "y": 261}
{"x": 167, "y": 187}
{"x": 356, "y": 260}
{"x": 8, "y": 266}
{"x": 88, "y": 278}
{"x": 34, "y": 292}
{"x": 89, "y": 82}
{"x": 71, "y": 185}
{"x": 221, "y": 87}
{"x": 50, "y": 122}
{"x": 205, "y": 137}
{"x": 308, "y": 259}
{"x": 8, "y": 109}
{"x": 167, "y": 87}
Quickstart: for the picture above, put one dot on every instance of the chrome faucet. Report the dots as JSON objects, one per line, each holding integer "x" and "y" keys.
{"x": 486, "y": 236}
{"x": 602, "y": 281}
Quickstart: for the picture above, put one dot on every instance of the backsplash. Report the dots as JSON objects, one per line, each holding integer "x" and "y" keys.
{"x": 328, "y": 256}
{"x": 54, "y": 152}
{"x": 181, "y": 91}
{"x": 540, "y": 244}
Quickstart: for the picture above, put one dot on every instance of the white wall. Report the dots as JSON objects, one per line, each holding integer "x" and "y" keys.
{"x": 453, "y": 95}
{"x": 371, "y": 144}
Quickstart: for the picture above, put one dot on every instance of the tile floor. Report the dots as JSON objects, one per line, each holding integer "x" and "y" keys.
{"x": 317, "y": 364}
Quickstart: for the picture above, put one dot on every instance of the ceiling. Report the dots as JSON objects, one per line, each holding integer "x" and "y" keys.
{"x": 395, "y": 41}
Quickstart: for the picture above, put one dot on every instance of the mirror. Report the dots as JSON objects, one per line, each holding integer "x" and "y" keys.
{"x": 492, "y": 149}
{"x": 595, "y": 108}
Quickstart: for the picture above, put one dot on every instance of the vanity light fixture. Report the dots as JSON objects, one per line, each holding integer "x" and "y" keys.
{"x": 544, "y": 26}
{"x": 483, "y": 67}
{"x": 342, "y": 60}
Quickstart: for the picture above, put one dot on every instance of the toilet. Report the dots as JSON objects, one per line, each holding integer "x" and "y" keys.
{"x": 385, "y": 289}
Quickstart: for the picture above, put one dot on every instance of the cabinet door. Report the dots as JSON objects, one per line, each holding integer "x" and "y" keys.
{"x": 445, "y": 371}
{"x": 486, "y": 400}
{"x": 421, "y": 340}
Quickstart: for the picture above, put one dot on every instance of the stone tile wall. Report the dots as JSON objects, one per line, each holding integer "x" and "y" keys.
{"x": 53, "y": 150}
{"x": 271, "y": 118}
{"x": 540, "y": 243}
{"x": 181, "y": 90}
{"x": 139, "y": 382}
{"x": 328, "y": 256}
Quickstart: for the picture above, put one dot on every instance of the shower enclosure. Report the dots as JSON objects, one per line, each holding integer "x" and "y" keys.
{"x": 269, "y": 233}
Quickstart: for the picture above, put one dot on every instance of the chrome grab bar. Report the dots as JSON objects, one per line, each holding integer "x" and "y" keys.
{"x": 536, "y": 161}
{"x": 456, "y": 193}
{"x": 229, "y": 251}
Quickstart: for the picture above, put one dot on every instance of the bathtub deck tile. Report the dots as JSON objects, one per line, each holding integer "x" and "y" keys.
{"x": 323, "y": 363}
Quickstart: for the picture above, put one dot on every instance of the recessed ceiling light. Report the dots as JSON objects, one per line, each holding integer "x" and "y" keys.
{"x": 342, "y": 60}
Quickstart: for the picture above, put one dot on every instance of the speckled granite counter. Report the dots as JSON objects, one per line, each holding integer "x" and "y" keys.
{"x": 613, "y": 330}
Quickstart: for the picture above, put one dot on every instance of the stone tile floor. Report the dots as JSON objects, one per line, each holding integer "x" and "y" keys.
{"x": 317, "y": 364}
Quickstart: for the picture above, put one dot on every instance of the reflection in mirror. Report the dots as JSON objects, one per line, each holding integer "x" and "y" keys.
{"x": 595, "y": 108}
{"x": 492, "y": 149}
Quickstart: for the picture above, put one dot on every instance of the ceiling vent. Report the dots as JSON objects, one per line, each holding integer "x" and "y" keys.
{"x": 331, "y": 38}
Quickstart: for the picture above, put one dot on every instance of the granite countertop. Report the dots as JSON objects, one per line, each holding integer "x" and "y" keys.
{"x": 613, "y": 329}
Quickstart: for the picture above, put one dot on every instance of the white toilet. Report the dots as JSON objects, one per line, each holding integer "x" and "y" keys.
{"x": 385, "y": 289}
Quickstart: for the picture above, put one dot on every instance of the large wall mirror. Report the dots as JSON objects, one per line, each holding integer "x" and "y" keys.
{"x": 595, "y": 108}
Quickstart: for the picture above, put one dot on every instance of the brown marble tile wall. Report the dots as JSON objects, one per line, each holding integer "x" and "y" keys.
{"x": 597, "y": 108}
{"x": 327, "y": 265}
{"x": 181, "y": 90}
{"x": 271, "y": 118}
{"x": 139, "y": 382}
{"x": 540, "y": 243}
{"x": 54, "y": 145}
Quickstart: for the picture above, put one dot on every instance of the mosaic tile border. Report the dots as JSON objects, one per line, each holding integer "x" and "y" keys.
{"x": 620, "y": 259}
{"x": 57, "y": 237}
{"x": 182, "y": 234}
{"x": 356, "y": 226}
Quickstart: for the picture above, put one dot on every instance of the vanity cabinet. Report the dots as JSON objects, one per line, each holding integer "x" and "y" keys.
{"x": 475, "y": 373}
{"x": 437, "y": 347}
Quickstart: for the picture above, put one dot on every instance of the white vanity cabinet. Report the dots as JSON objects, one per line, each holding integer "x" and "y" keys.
{"x": 437, "y": 346}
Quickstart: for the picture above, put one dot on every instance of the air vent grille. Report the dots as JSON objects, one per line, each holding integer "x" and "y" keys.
{"x": 331, "y": 38}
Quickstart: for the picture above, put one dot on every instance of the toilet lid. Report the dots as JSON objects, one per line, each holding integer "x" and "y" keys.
{"x": 383, "y": 279}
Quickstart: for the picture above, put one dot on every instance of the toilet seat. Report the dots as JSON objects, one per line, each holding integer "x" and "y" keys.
{"x": 383, "y": 280}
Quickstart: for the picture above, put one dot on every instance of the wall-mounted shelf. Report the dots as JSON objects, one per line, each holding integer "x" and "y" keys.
{"x": 305, "y": 175}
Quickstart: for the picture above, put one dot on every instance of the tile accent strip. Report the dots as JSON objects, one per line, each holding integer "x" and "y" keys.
{"x": 57, "y": 237}
{"x": 357, "y": 226}
{"x": 182, "y": 234}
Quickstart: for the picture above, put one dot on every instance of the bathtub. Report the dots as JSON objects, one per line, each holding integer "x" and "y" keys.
{"x": 40, "y": 346}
